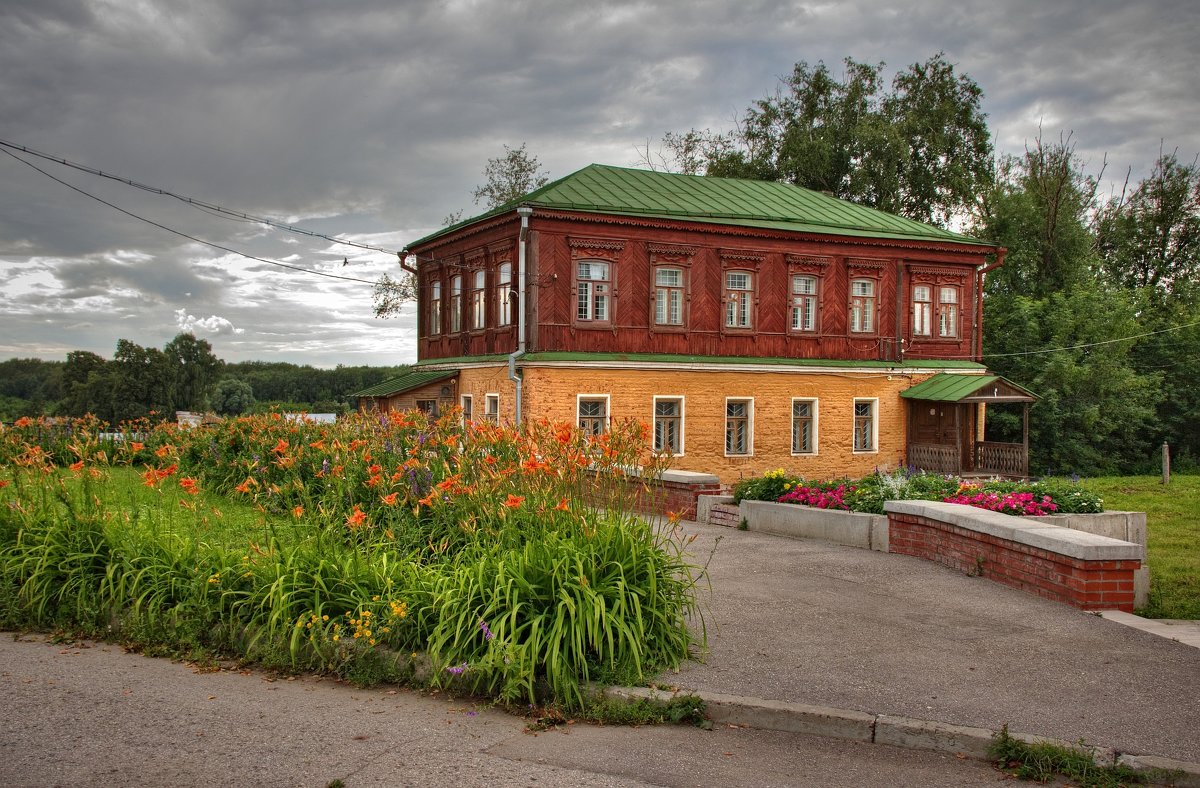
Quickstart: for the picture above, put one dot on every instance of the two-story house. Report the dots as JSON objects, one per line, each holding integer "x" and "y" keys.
{"x": 750, "y": 325}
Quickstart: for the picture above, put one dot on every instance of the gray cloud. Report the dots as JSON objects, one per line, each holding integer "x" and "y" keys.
{"x": 376, "y": 117}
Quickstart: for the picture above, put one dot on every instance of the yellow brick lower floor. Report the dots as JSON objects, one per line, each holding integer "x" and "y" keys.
{"x": 762, "y": 440}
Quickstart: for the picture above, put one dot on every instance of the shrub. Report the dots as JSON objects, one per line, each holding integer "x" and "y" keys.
{"x": 767, "y": 487}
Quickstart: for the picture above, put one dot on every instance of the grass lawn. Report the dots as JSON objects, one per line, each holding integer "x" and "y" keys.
{"x": 1173, "y": 525}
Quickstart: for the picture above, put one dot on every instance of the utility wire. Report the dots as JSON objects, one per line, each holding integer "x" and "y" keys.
{"x": 183, "y": 234}
{"x": 206, "y": 206}
{"x": 1078, "y": 347}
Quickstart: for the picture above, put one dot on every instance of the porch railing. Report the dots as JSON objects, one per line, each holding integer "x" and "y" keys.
{"x": 934, "y": 457}
{"x": 991, "y": 457}
{"x": 1002, "y": 459}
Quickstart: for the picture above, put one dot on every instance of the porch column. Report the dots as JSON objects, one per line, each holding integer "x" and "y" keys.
{"x": 1025, "y": 439}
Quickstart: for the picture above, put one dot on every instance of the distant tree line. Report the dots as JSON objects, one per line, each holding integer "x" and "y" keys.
{"x": 184, "y": 375}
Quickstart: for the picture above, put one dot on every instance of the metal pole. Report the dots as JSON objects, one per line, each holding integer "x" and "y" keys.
{"x": 1166, "y": 463}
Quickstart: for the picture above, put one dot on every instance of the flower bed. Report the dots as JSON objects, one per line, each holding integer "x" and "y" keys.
{"x": 867, "y": 495}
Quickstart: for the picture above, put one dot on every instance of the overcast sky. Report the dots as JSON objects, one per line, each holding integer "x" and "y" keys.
{"x": 373, "y": 120}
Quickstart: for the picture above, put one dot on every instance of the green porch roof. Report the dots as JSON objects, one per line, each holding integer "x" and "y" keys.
{"x": 406, "y": 382}
{"x": 598, "y": 188}
{"x": 945, "y": 387}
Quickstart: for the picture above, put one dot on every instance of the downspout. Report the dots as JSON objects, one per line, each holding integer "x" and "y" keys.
{"x": 524, "y": 211}
{"x": 978, "y": 327}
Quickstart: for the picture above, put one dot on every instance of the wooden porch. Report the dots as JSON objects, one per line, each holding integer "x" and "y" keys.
{"x": 945, "y": 426}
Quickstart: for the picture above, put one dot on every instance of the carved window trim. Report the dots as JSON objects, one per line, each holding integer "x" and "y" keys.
{"x": 600, "y": 250}
{"x": 815, "y": 268}
{"x": 740, "y": 261}
{"x": 671, "y": 256}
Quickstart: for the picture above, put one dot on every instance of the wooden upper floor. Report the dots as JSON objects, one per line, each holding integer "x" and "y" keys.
{"x": 600, "y": 281}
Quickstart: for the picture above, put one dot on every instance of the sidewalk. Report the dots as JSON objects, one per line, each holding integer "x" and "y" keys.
{"x": 808, "y": 622}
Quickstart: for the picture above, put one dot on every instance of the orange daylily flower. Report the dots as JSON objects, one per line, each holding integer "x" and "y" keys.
{"x": 164, "y": 450}
{"x": 562, "y": 505}
{"x": 298, "y": 512}
{"x": 4, "y": 483}
{"x": 24, "y": 421}
{"x": 389, "y": 499}
{"x": 135, "y": 446}
{"x": 319, "y": 445}
{"x": 188, "y": 485}
{"x": 514, "y": 501}
{"x": 281, "y": 447}
{"x": 245, "y": 486}
{"x": 77, "y": 466}
{"x": 356, "y": 519}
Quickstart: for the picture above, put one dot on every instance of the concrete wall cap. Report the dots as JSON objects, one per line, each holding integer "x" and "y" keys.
{"x": 1054, "y": 538}
{"x": 689, "y": 477}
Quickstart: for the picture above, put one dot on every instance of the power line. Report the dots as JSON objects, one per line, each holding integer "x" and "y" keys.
{"x": 200, "y": 204}
{"x": 183, "y": 234}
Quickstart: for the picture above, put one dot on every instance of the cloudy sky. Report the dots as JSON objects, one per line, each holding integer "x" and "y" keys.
{"x": 373, "y": 119}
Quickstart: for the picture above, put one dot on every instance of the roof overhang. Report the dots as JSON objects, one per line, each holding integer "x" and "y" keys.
{"x": 948, "y": 387}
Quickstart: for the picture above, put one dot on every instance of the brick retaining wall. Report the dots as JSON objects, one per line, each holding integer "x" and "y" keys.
{"x": 1083, "y": 570}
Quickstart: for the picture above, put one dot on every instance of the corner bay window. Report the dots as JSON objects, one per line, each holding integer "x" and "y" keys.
{"x": 804, "y": 303}
{"x": 668, "y": 425}
{"x": 739, "y": 298}
{"x": 862, "y": 306}
{"x": 921, "y": 310}
{"x": 593, "y": 415}
{"x": 737, "y": 426}
{"x": 668, "y": 296}
{"x": 478, "y": 300}
{"x": 504, "y": 294}
{"x": 948, "y": 312}
{"x": 594, "y": 288}
{"x": 435, "y": 308}
{"x": 456, "y": 285}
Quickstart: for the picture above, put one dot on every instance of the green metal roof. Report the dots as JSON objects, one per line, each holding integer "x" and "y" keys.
{"x": 945, "y": 387}
{"x": 598, "y": 188}
{"x": 406, "y": 382}
{"x": 663, "y": 358}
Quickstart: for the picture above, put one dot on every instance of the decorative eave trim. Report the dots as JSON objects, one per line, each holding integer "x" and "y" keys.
{"x": 608, "y": 244}
{"x": 747, "y": 367}
{"x": 671, "y": 249}
{"x": 762, "y": 232}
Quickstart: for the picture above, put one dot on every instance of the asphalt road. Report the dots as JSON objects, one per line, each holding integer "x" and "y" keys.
{"x": 90, "y": 714}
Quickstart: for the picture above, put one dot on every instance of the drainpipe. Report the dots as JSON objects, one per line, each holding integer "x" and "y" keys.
{"x": 524, "y": 211}
{"x": 978, "y": 328}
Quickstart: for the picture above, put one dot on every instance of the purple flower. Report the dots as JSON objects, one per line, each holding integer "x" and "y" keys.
{"x": 487, "y": 633}
{"x": 325, "y": 465}
{"x": 457, "y": 669}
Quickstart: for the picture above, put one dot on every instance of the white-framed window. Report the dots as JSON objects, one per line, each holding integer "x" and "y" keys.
{"x": 922, "y": 310}
{"x": 862, "y": 306}
{"x": 739, "y": 299}
{"x": 948, "y": 312}
{"x": 456, "y": 294}
{"x": 479, "y": 300}
{"x": 866, "y": 425}
{"x": 804, "y": 426}
{"x": 594, "y": 288}
{"x": 435, "y": 308}
{"x": 504, "y": 295}
{"x": 668, "y": 296}
{"x": 804, "y": 302}
{"x": 491, "y": 408}
{"x": 592, "y": 413}
{"x": 467, "y": 403}
{"x": 739, "y": 427}
{"x": 668, "y": 425}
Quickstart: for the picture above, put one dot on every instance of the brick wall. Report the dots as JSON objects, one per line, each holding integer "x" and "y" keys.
{"x": 1083, "y": 583}
{"x": 726, "y": 514}
{"x": 552, "y": 392}
{"x": 664, "y": 496}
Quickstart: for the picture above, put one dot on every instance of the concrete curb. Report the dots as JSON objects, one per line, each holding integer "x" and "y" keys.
{"x": 895, "y": 731}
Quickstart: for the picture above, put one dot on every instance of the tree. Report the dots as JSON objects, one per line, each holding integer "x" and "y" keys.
{"x": 508, "y": 177}
{"x": 1056, "y": 328}
{"x": 921, "y": 150}
{"x": 87, "y": 388}
{"x": 143, "y": 382}
{"x": 232, "y": 397}
{"x": 196, "y": 368}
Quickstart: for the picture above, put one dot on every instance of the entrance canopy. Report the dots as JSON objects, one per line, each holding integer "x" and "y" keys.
{"x": 947, "y": 387}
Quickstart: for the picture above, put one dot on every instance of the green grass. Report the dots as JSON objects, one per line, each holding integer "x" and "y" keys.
{"x": 1173, "y": 535}
{"x": 1045, "y": 761}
